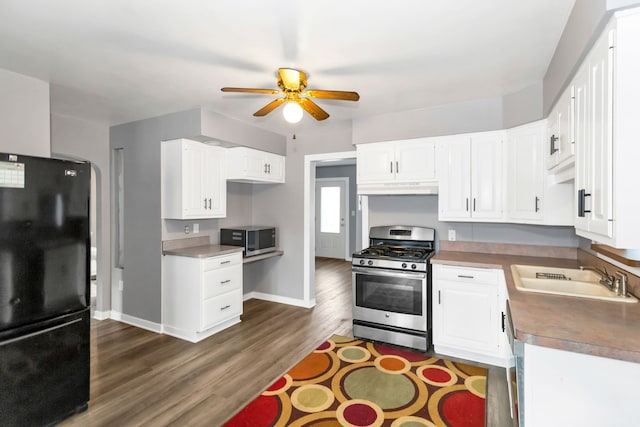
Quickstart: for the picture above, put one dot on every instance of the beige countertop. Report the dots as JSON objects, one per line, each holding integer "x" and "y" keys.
{"x": 582, "y": 325}
{"x": 203, "y": 251}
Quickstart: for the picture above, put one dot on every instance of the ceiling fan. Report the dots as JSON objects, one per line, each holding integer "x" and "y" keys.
{"x": 292, "y": 84}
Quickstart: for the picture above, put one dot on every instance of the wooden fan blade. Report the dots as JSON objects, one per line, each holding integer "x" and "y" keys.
{"x": 249, "y": 90}
{"x": 270, "y": 107}
{"x": 333, "y": 94}
{"x": 292, "y": 80}
{"x": 312, "y": 108}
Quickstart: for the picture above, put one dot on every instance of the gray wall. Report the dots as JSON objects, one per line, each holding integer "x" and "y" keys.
{"x": 283, "y": 206}
{"x": 81, "y": 140}
{"x": 423, "y": 211}
{"x": 522, "y": 107}
{"x": 472, "y": 116}
{"x": 350, "y": 172}
{"x": 24, "y": 115}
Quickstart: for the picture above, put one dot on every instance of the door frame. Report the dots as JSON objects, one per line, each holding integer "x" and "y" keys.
{"x": 309, "y": 268}
{"x": 347, "y": 217}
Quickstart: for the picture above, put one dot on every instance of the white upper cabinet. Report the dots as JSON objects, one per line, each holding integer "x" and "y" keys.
{"x": 472, "y": 182}
{"x": 397, "y": 166}
{"x": 193, "y": 180}
{"x": 561, "y": 140}
{"x": 255, "y": 166}
{"x": 533, "y": 195}
{"x": 607, "y": 136}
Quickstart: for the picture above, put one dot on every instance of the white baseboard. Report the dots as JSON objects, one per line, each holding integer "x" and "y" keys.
{"x": 280, "y": 299}
{"x": 101, "y": 315}
{"x": 193, "y": 336}
{"x": 135, "y": 321}
{"x": 502, "y": 361}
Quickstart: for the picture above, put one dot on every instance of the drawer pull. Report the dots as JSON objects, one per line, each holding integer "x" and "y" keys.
{"x": 462, "y": 276}
{"x": 225, "y": 262}
{"x": 224, "y": 282}
{"x": 225, "y": 307}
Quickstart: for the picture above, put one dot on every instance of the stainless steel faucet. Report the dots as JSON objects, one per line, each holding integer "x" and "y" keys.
{"x": 605, "y": 278}
{"x": 621, "y": 283}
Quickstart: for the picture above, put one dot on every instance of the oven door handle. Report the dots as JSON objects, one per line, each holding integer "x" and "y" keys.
{"x": 389, "y": 273}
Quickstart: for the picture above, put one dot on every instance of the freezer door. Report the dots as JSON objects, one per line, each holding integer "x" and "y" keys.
{"x": 44, "y": 372}
{"x": 44, "y": 239}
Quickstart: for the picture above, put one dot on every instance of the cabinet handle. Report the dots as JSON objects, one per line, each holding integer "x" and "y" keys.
{"x": 467, "y": 199}
{"x": 205, "y": 203}
{"x": 390, "y": 167}
{"x": 225, "y": 307}
{"x": 439, "y": 301}
{"x": 582, "y": 195}
{"x": 225, "y": 262}
{"x": 462, "y": 276}
{"x": 537, "y": 200}
{"x": 224, "y": 282}
{"x": 265, "y": 168}
{"x": 269, "y": 168}
{"x": 503, "y": 320}
{"x": 552, "y": 144}
{"x": 397, "y": 168}
{"x": 474, "y": 204}
{"x": 209, "y": 203}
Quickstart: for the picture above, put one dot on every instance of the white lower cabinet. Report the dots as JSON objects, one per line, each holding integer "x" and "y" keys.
{"x": 468, "y": 312}
{"x": 201, "y": 296}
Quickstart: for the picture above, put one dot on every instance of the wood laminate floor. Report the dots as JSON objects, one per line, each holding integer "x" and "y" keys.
{"x": 143, "y": 378}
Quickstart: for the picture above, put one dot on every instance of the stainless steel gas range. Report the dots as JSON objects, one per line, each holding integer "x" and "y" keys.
{"x": 392, "y": 286}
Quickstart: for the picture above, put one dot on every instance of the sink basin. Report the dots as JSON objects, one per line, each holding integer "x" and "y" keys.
{"x": 564, "y": 281}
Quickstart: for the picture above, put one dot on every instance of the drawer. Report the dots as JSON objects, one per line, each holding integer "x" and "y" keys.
{"x": 222, "y": 261}
{"x": 220, "y": 308}
{"x": 220, "y": 281}
{"x": 468, "y": 274}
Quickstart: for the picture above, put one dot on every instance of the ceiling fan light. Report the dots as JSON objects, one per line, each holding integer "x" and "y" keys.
{"x": 292, "y": 112}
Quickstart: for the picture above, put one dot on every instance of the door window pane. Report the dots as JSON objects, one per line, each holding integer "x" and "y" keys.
{"x": 330, "y": 210}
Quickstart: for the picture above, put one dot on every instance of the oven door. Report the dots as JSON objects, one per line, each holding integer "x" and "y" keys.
{"x": 390, "y": 297}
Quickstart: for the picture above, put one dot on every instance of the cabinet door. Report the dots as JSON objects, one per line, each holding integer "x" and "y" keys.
{"x": 601, "y": 121}
{"x": 194, "y": 192}
{"x": 487, "y": 160}
{"x": 415, "y": 161}
{"x": 565, "y": 143}
{"x": 455, "y": 180}
{"x": 274, "y": 167}
{"x": 375, "y": 163}
{"x": 467, "y": 316}
{"x": 526, "y": 171}
{"x": 583, "y": 144}
{"x": 215, "y": 183}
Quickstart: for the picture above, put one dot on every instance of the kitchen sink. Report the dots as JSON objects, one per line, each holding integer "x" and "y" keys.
{"x": 564, "y": 281}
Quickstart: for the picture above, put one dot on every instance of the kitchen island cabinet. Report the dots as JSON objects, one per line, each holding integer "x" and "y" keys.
{"x": 201, "y": 295}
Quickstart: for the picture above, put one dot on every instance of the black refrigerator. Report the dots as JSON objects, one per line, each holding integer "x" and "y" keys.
{"x": 44, "y": 289}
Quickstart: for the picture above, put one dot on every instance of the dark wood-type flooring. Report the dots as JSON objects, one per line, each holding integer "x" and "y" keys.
{"x": 143, "y": 378}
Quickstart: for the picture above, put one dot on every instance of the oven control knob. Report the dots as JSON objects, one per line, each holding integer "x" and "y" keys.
{"x": 404, "y": 265}
{"x": 361, "y": 262}
{"x": 413, "y": 266}
{"x": 370, "y": 262}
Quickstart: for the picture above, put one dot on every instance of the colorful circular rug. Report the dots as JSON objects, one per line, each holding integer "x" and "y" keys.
{"x": 347, "y": 382}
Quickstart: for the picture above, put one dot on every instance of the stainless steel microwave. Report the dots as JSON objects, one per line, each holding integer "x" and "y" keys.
{"x": 255, "y": 239}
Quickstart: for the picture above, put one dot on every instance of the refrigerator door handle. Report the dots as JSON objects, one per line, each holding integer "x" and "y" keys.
{"x": 41, "y": 331}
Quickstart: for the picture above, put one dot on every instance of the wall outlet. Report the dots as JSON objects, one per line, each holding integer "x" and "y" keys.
{"x": 196, "y": 228}
{"x": 187, "y": 230}
{"x": 120, "y": 285}
{"x": 452, "y": 235}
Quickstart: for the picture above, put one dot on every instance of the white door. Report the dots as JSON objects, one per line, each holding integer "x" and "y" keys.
{"x": 331, "y": 217}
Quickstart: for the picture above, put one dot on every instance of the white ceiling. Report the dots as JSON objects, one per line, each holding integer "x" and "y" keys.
{"x": 116, "y": 61}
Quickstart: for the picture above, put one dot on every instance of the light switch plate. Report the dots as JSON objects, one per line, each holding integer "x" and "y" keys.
{"x": 452, "y": 235}
{"x": 196, "y": 228}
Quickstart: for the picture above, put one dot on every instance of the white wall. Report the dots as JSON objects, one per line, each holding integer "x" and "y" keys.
{"x": 81, "y": 140}
{"x": 24, "y": 115}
